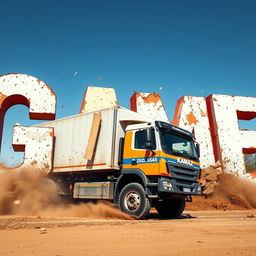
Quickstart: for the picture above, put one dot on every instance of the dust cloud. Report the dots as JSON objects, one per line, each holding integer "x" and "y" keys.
{"x": 236, "y": 191}
{"x": 26, "y": 192}
{"x": 224, "y": 191}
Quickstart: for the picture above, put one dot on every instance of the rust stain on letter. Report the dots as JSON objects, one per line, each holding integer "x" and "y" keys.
{"x": 191, "y": 118}
{"x": 152, "y": 97}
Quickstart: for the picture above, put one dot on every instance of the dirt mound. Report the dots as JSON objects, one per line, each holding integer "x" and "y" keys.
{"x": 26, "y": 192}
{"x": 227, "y": 192}
{"x": 209, "y": 178}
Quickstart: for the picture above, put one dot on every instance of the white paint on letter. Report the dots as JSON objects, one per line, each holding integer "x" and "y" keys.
{"x": 150, "y": 105}
{"x": 232, "y": 141}
{"x": 37, "y": 145}
{"x": 98, "y": 98}
{"x": 191, "y": 114}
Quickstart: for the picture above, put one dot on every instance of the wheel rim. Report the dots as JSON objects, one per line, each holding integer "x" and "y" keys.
{"x": 132, "y": 201}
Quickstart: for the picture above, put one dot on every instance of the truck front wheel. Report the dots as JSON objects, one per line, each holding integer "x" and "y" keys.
{"x": 170, "y": 208}
{"x": 132, "y": 200}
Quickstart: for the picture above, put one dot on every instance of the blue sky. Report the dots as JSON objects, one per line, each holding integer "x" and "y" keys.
{"x": 187, "y": 47}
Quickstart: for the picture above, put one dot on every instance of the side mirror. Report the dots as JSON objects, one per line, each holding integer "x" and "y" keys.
{"x": 197, "y": 149}
{"x": 148, "y": 143}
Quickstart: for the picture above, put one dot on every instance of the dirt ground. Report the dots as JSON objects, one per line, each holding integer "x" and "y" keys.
{"x": 32, "y": 222}
{"x": 196, "y": 232}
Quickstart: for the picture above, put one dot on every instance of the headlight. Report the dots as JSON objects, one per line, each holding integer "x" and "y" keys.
{"x": 167, "y": 185}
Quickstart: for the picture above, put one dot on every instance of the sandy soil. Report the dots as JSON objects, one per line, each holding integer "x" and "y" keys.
{"x": 196, "y": 232}
{"x": 34, "y": 222}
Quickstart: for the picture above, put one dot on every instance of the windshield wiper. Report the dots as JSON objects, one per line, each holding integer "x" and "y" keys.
{"x": 177, "y": 153}
{"x": 185, "y": 155}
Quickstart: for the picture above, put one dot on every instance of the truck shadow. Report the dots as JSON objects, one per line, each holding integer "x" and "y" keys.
{"x": 155, "y": 215}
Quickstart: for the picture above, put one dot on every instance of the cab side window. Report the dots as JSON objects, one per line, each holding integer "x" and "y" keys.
{"x": 140, "y": 139}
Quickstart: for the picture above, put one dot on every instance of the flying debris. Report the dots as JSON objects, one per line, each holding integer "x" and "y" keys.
{"x": 16, "y": 202}
{"x": 75, "y": 73}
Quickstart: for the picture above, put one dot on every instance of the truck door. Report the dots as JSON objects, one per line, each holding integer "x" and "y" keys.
{"x": 137, "y": 156}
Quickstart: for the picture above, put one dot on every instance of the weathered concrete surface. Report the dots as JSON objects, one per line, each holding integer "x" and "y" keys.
{"x": 97, "y": 98}
{"x": 191, "y": 114}
{"x": 29, "y": 91}
{"x": 37, "y": 145}
{"x": 213, "y": 120}
{"x": 229, "y": 141}
{"x": 149, "y": 104}
{"x": 41, "y": 101}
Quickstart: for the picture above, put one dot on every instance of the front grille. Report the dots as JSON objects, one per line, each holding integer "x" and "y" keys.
{"x": 184, "y": 179}
{"x": 183, "y": 175}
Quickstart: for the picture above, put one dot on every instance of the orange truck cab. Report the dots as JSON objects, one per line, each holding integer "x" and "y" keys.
{"x": 162, "y": 163}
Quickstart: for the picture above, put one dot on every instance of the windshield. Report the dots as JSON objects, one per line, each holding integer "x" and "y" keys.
{"x": 176, "y": 144}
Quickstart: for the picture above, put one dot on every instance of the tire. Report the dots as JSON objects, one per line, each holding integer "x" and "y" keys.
{"x": 170, "y": 208}
{"x": 132, "y": 200}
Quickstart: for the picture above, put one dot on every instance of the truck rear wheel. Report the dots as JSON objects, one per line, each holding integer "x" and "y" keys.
{"x": 170, "y": 208}
{"x": 132, "y": 200}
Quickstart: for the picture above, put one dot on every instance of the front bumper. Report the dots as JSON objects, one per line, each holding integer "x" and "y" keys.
{"x": 170, "y": 186}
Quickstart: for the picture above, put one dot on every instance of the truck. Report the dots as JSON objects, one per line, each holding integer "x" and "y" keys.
{"x": 122, "y": 156}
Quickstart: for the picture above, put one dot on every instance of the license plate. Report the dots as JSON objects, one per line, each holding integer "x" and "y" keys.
{"x": 188, "y": 190}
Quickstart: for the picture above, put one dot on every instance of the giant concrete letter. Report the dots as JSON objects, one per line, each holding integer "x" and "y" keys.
{"x": 230, "y": 141}
{"x": 41, "y": 101}
{"x": 191, "y": 114}
{"x": 149, "y": 104}
{"x": 37, "y": 145}
{"x": 97, "y": 98}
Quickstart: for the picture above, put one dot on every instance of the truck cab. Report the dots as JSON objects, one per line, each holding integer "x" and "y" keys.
{"x": 166, "y": 158}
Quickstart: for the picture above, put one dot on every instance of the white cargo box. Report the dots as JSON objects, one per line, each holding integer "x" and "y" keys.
{"x": 72, "y": 135}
